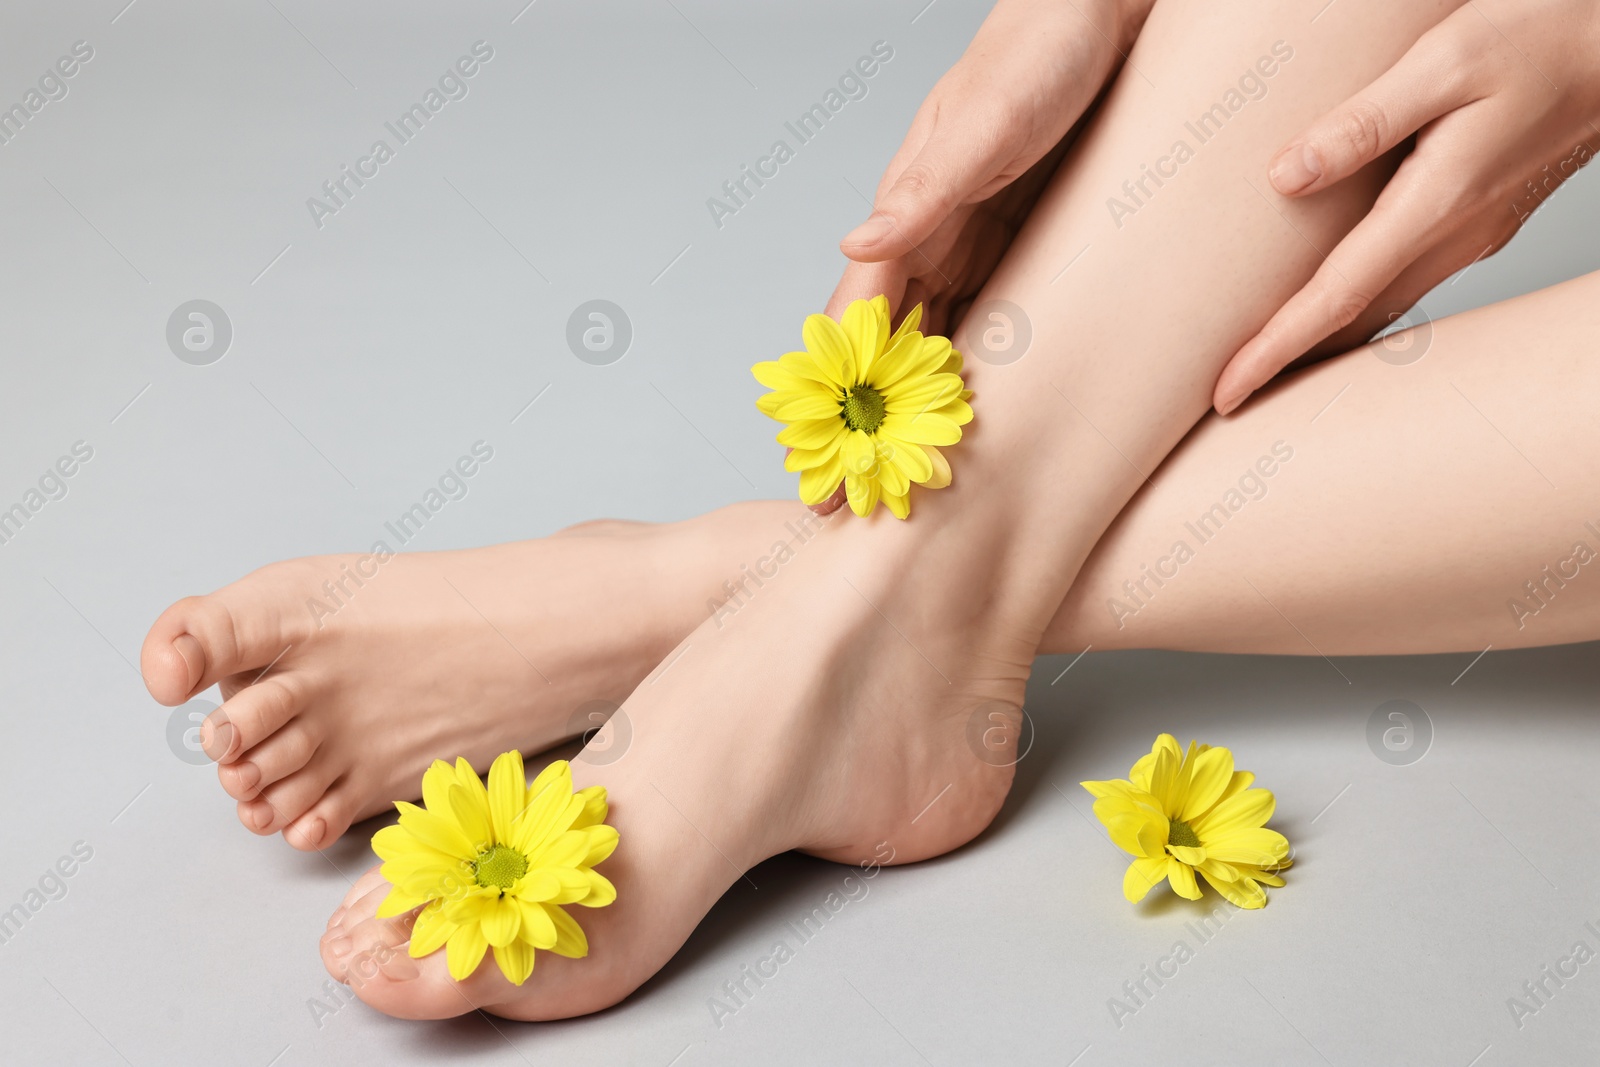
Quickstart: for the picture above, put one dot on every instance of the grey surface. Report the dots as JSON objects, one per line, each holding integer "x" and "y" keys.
{"x": 425, "y": 316}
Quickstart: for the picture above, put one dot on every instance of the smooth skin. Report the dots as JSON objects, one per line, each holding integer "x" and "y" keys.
{"x": 1502, "y": 99}
{"x": 985, "y": 651}
{"x": 832, "y": 718}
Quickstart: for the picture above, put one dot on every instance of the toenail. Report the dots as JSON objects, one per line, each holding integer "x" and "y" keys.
{"x": 261, "y": 817}
{"x": 396, "y": 965}
{"x": 217, "y": 736}
{"x": 193, "y": 656}
{"x": 247, "y": 775}
{"x": 337, "y": 916}
{"x": 311, "y": 833}
{"x": 339, "y": 946}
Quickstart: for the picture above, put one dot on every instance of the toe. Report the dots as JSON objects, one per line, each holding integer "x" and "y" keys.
{"x": 325, "y": 822}
{"x": 280, "y": 755}
{"x": 201, "y": 640}
{"x": 252, "y": 715}
{"x": 371, "y": 956}
{"x": 283, "y": 802}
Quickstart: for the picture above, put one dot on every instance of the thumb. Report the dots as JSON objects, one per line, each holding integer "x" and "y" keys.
{"x": 960, "y": 156}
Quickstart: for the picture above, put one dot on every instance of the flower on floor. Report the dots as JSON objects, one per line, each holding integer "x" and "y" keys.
{"x": 867, "y": 407}
{"x": 1178, "y": 814}
{"x": 493, "y": 867}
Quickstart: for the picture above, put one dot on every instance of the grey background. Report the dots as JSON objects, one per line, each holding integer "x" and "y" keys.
{"x": 427, "y": 314}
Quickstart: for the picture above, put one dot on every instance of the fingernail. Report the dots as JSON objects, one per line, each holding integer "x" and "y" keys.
{"x": 339, "y": 947}
{"x": 217, "y": 736}
{"x": 1232, "y": 402}
{"x": 1294, "y": 169}
{"x": 875, "y": 229}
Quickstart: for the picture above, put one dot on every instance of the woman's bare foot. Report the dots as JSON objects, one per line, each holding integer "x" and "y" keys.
{"x": 344, "y": 676}
{"x": 832, "y": 715}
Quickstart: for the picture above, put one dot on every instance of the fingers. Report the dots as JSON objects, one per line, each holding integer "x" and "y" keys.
{"x": 964, "y": 150}
{"x": 863, "y": 281}
{"x": 1427, "y": 82}
{"x": 1406, "y": 221}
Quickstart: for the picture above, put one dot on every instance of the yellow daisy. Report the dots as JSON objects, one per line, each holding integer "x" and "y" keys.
{"x": 492, "y": 867}
{"x": 1178, "y": 814}
{"x": 867, "y": 407}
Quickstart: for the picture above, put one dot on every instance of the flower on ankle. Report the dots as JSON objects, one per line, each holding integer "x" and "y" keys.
{"x": 493, "y": 867}
{"x": 867, "y": 407}
{"x": 1178, "y": 814}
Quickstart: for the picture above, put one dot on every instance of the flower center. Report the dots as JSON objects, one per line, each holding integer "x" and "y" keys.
{"x": 1182, "y": 835}
{"x": 862, "y": 409}
{"x": 500, "y": 867}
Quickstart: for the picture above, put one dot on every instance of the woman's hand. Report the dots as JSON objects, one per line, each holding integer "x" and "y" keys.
{"x": 979, "y": 153}
{"x": 1503, "y": 98}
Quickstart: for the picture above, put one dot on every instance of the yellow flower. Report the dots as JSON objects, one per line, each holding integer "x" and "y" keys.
{"x": 492, "y": 867}
{"x": 867, "y": 407}
{"x": 1178, "y": 814}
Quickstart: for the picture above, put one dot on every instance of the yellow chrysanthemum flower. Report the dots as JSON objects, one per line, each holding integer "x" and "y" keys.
{"x": 1178, "y": 814}
{"x": 867, "y": 407}
{"x": 492, "y": 867}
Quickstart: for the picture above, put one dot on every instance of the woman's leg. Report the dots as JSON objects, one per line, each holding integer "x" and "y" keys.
{"x": 1365, "y": 508}
{"x": 834, "y": 714}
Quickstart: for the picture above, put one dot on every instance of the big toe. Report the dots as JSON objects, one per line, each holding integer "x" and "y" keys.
{"x": 201, "y": 640}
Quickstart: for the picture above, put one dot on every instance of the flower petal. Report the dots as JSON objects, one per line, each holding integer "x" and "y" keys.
{"x": 1181, "y": 875}
{"x": 929, "y": 428}
{"x": 601, "y": 891}
{"x": 866, "y": 326}
{"x": 1194, "y": 857}
{"x": 464, "y": 951}
{"x": 1209, "y": 776}
{"x": 1119, "y": 787}
{"x": 828, "y": 345}
{"x": 602, "y": 843}
{"x": 803, "y": 459}
{"x": 1243, "y": 892}
{"x": 508, "y": 789}
{"x": 431, "y": 930}
{"x": 536, "y": 887}
{"x": 1142, "y": 876}
{"x": 819, "y": 483}
{"x": 537, "y": 929}
{"x": 595, "y": 808}
{"x": 471, "y": 818}
{"x": 912, "y": 460}
{"x": 1246, "y": 811}
{"x": 515, "y": 960}
{"x": 436, "y": 831}
{"x": 815, "y": 405}
{"x": 812, "y": 433}
{"x": 570, "y": 940}
{"x": 398, "y": 902}
{"x": 501, "y": 920}
{"x": 1256, "y": 847}
{"x": 899, "y": 506}
{"x": 941, "y": 468}
{"x": 862, "y": 493}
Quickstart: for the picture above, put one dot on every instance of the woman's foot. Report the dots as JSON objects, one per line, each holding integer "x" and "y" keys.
{"x": 345, "y": 676}
{"x": 833, "y": 714}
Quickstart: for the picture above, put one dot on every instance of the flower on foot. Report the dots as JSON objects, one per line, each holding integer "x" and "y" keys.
{"x": 1178, "y": 814}
{"x": 492, "y": 867}
{"x": 867, "y": 407}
